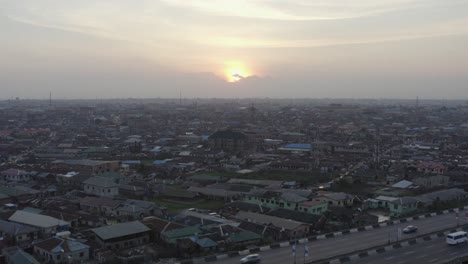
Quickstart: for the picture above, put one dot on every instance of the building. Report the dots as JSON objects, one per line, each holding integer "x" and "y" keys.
{"x": 296, "y": 147}
{"x": 126, "y": 209}
{"x": 432, "y": 181}
{"x": 339, "y": 199}
{"x": 15, "y": 255}
{"x": 101, "y": 186}
{"x": 403, "y": 206}
{"x": 431, "y": 167}
{"x": 46, "y": 225}
{"x": 228, "y": 140}
{"x": 290, "y": 227}
{"x": 442, "y": 196}
{"x": 15, "y": 175}
{"x": 17, "y": 233}
{"x": 289, "y": 201}
{"x": 123, "y": 235}
{"x": 171, "y": 236}
{"x": 61, "y": 250}
{"x": 88, "y": 166}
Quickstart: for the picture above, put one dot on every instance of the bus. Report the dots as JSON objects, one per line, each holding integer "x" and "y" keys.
{"x": 457, "y": 238}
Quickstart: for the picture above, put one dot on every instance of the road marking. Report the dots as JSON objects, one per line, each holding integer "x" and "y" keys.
{"x": 453, "y": 253}
{"x": 401, "y": 262}
{"x": 429, "y": 246}
{"x": 434, "y": 260}
{"x": 421, "y": 256}
{"x": 390, "y": 257}
{"x": 409, "y": 252}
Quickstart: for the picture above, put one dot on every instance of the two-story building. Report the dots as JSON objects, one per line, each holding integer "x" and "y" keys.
{"x": 17, "y": 233}
{"x": 101, "y": 186}
{"x": 15, "y": 175}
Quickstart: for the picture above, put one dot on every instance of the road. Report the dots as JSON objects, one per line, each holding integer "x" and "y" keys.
{"x": 330, "y": 247}
{"x": 431, "y": 252}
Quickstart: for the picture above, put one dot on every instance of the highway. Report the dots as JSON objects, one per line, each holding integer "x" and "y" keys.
{"x": 330, "y": 247}
{"x": 432, "y": 252}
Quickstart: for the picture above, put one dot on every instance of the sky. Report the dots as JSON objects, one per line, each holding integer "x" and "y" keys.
{"x": 242, "y": 48}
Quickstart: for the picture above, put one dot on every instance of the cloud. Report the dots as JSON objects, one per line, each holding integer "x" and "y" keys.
{"x": 295, "y": 10}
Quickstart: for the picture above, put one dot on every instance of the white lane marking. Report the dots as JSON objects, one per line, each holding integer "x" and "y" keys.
{"x": 429, "y": 246}
{"x": 389, "y": 258}
{"x": 409, "y": 252}
{"x": 453, "y": 253}
{"x": 421, "y": 256}
{"x": 401, "y": 262}
{"x": 434, "y": 260}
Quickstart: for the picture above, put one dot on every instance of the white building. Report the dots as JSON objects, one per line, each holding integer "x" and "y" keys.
{"x": 101, "y": 186}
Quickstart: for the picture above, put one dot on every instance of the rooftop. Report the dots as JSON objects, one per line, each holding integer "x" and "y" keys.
{"x": 119, "y": 230}
{"x": 38, "y": 220}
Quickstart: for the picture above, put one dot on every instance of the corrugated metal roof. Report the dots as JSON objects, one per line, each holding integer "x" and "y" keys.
{"x": 119, "y": 230}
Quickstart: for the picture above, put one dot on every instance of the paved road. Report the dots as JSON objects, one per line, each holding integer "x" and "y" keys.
{"x": 345, "y": 244}
{"x": 429, "y": 252}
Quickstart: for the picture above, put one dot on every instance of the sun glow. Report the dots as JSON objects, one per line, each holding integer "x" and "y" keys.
{"x": 235, "y": 71}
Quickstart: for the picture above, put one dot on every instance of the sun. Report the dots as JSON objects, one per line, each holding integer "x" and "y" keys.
{"x": 235, "y": 71}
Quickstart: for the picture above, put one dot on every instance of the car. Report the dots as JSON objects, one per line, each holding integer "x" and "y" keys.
{"x": 253, "y": 258}
{"x": 410, "y": 229}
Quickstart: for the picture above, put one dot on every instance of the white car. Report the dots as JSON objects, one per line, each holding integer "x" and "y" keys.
{"x": 254, "y": 258}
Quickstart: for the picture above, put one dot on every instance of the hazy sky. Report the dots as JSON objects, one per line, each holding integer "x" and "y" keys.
{"x": 227, "y": 48}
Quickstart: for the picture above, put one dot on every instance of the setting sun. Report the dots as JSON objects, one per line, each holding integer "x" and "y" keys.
{"x": 235, "y": 71}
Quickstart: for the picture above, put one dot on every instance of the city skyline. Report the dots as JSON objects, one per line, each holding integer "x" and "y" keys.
{"x": 277, "y": 49}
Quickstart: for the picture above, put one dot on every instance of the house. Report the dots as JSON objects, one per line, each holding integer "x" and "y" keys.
{"x": 265, "y": 230}
{"x": 432, "y": 181}
{"x": 315, "y": 207}
{"x": 287, "y": 200}
{"x": 101, "y": 186}
{"x": 442, "y": 196}
{"x": 99, "y": 205}
{"x": 17, "y": 233}
{"x": 243, "y": 237}
{"x": 291, "y": 227}
{"x": 47, "y": 225}
{"x": 431, "y": 167}
{"x": 403, "y": 206}
{"x": 311, "y": 219}
{"x": 122, "y": 236}
{"x": 127, "y": 209}
{"x": 16, "y": 255}
{"x": 61, "y": 250}
{"x": 204, "y": 244}
{"x": 381, "y": 201}
{"x": 137, "y": 209}
{"x": 213, "y": 193}
{"x": 338, "y": 199}
{"x": 171, "y": 236}
{"x": 159, "y": 225}
{"x": 15, "y": 175}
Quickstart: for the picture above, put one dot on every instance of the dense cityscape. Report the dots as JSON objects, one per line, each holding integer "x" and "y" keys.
{"x": 216, "y": 180}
